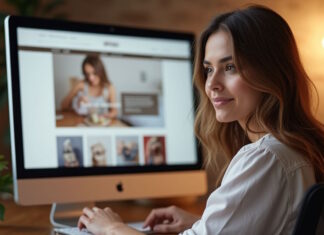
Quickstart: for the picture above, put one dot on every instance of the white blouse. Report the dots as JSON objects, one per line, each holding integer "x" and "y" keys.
{"x": 260, "y": 192}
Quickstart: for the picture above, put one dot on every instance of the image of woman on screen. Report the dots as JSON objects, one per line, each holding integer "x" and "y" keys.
{"x": 154, "y": 150}
{"x": 255, "y": 112}
{"x": 95, "y": 95}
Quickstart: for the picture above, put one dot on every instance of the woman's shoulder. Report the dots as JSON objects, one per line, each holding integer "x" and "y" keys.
{"x": 268, "y": 156}
{"x": 80, "y": 84}
{"x": 108, "y": 86}
{"x": 288, "y": 156}
{"x": 272, "y": 150}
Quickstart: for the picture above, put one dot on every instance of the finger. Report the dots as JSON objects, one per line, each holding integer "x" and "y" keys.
{"x": 155, "y": 221}
{"x": 149, "y": 219}
{"x": 88, "y": 212}
{"x": 157, "y": 216}
{"x": 95, "y": 209}
{"x": 108, "y": 209}
{"x": 80, "y": 224}
{"x": 83, "y": 222}
{"x": 110, "y": 212}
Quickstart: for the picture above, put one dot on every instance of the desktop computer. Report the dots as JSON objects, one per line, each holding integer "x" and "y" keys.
{"x": 100, "y": 112}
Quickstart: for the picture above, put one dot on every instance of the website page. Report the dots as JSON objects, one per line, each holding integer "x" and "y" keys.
{"x": 94, "y": 100}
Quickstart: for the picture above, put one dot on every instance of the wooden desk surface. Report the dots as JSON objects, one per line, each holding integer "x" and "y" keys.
{"x": 30, "y": 220}
{"x": 71, "y": 119}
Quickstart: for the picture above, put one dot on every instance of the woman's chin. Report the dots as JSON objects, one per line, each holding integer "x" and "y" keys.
{"x": 94, "y": 83}
{"x": 223, "y": 119}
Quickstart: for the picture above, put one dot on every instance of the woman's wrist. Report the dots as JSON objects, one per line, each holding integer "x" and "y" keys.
{"x": 115, "y": 228}
{"x": 110, "y": 229}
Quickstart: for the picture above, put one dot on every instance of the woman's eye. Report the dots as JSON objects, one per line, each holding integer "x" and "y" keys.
{"x": 207, "y": 71}
{"x": 89, "y": 74}
{"x": 230, "y": 67}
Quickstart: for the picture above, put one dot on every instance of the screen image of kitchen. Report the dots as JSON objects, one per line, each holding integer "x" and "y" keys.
{"x": 94, "y": 90}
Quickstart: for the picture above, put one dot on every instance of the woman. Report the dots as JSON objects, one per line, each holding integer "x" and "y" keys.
{"x": 255, "y": 110}
{"x": 154, "y": 151}
{"x": 95, "y": 93}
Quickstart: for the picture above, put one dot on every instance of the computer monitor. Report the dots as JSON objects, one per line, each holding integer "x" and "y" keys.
{"x": 128, "y": 136}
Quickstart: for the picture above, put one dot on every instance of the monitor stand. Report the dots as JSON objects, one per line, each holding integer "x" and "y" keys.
{"x": 67, "y": 214}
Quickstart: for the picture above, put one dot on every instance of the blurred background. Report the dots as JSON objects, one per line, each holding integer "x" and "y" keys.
{"x": 304, "y": 17}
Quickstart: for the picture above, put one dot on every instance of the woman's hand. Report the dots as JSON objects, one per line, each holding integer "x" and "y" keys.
{"x": 83, "y": 100}
{"x": 101, "y": 221}
{"x": 170, "y": 220}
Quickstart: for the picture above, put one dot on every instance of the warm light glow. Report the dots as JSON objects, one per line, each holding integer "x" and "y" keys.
{"x": 323, "y": 42}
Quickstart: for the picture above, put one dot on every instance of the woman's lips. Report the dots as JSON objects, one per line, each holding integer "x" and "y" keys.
{"x": 220, "y": 101}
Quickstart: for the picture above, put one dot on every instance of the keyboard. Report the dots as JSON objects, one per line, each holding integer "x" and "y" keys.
{"x": 76, "y": 231}
{"x": 71, "y": 231}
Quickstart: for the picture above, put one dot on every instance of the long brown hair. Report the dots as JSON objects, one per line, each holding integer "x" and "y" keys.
{"x": 96, "y": 63}
{"x": 265, "y": 47}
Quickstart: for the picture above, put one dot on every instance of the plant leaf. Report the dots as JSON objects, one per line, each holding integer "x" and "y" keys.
{"x": 2, "y": 210}
{"x": 52, "y": 5}
{"x": 6, "y": 183}
{"x": 24, "y": 7}
{"x": 3, "y": 165}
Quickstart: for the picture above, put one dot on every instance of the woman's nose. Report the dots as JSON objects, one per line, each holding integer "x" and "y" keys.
{"x": 214, "y": 82}
{"x": 91, "y": 77}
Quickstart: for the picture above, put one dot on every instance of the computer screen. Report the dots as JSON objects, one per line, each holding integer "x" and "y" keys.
{"x": 100, "y": 112}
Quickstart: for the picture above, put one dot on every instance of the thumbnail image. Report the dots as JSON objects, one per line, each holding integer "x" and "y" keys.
{"x": 99, "y": 151}
{"x": 93, "y": 90}
{"x": 69, "y": 151}
{"x": 154, "y": 150}
{"x": 127, "y": 150}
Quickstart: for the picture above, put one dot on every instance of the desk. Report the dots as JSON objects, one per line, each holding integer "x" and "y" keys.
{"x": 32, "y": 220}
{"x": 71, "y": 119}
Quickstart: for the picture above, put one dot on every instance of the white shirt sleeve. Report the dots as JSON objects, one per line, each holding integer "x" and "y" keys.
{"x": 252, "y": 199}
